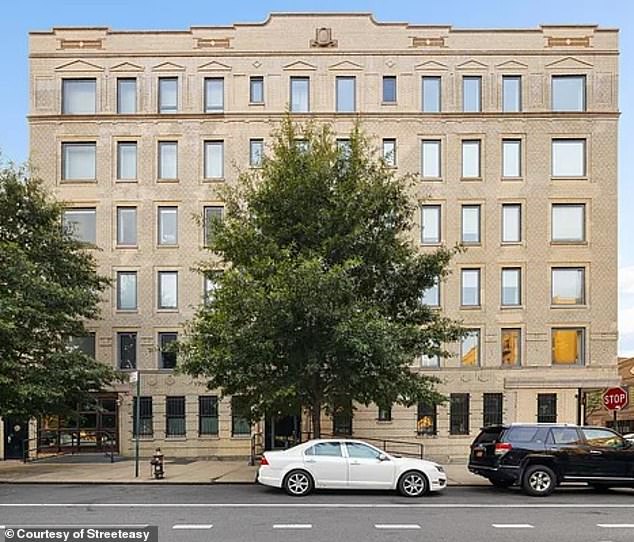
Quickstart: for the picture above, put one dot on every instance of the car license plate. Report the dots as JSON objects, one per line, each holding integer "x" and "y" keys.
{"x": 479, "y": 453}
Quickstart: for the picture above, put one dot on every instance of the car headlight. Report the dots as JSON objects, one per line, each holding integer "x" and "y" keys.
{"x": 440, "y": 469}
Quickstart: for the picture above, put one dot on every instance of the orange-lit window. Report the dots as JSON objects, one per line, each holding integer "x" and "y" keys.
{"x": 567, "y": 346}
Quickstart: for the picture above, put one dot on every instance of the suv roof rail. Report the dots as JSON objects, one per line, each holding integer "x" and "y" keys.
{"x": 544, "y": 424}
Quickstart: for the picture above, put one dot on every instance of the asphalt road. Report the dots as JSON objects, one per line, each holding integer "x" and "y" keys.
{"x": 242, "y": 513}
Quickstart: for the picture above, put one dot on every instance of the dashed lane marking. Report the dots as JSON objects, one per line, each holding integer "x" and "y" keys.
{"x": 402, "y": 526}
{"x": 197, "y": 526}
{"x": 616, "y": 525}
{"x": 292, "y": 526}
{"x": 512, "y": 526}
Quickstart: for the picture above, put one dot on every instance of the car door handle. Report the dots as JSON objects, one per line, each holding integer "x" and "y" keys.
{"x": 355, "y": 463}
{"x": 310, "y": 461}
{"x": 596, "y": 452}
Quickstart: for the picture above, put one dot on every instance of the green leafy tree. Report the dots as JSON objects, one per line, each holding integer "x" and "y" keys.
{"x": 48, "y": 287}
{"x": 319, "y": 304}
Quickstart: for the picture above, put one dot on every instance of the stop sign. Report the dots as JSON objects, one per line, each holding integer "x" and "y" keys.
{"x": 615, "y": 398}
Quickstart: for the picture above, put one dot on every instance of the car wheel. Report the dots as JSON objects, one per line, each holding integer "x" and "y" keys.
{"x": 413, "y": 484}
{"x": 539, "y": 481}
{"x": 298, "y": 483}
{"x": 500, "y": 483}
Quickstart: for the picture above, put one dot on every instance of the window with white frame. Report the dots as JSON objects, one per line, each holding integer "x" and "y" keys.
{"x": 568, "y": 157}
{"x": 568, "y": 286}
{"x": 511, "y": 158}
{"x": 568, "y": 222}
{"x": 168, "y": 289}
{"x": 79, "y": 161}
{"x": 214, "y": 159}
{"x": 470, "y": 231}
{"x": 168, "y": 225}
{"x": 568, "y": 92}
{"x": 214, "y": 94}
{"x": 471, "y": 158}
{"x": 168, "y": 160}
{"x": 470, "y": 287}
{"x": 79, "y": 96}
{"x": 127, "y": 161}
{"x": 511, "y": 223}
{"x": 430, "y": 159}
{"x": 511, "y": 286}
{"x": 430, "y": 224}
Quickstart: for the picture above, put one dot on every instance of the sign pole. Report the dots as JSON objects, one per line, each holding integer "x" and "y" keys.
{"x": 137, "y": 418}
{"x": 616, "y": 427}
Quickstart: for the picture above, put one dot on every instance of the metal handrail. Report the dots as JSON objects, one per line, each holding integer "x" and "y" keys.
{"x": 57, "y": 448}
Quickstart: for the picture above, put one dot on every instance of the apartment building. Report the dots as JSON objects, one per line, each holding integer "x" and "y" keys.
{"x": 511, "y": 132}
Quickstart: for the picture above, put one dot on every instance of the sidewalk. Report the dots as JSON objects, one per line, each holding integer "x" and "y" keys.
{"x": 82, "y": 470}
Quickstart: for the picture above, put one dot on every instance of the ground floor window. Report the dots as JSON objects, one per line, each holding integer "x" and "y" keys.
{"x": 492, "y": 408}
{"x": 240, "y": 425}
{"x": 175, "y": 416}
{"x": 207, "y": 415}
{"x": 459, "y": 414}
{"x": 342, "y": 420}
{"x": 426, "y": 419}
{"x": 385, "y": 414}
{"x": 546, "y": 407}
{"x": 145, "y": 417}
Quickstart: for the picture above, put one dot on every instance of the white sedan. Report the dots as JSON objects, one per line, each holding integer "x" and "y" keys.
{"x": 347, "y": 464}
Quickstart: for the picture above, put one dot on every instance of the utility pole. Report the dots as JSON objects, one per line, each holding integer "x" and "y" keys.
{"x": 136, "y": 377}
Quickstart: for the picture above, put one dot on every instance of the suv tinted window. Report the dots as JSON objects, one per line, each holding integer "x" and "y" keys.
{"x": 564, "y": 435}
{"x": 603, "y": 438}
{"x": 330, "y": 449}
{"x": 488, "y": 435}
{"x": 526, "y": 434}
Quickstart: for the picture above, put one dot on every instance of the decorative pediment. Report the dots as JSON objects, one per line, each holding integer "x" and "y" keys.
{"x": 214, "y": 66}
{"x": 512, "y": 65}
{"x": 472, "y": 64}
{"x": 168, "y": 67}
{"x": 126, "y": 67}
{"x": 431, "y": 65}
{"x": 79, "y": 66}
{"x": 299, "y": 65}
{"x": 345, "y": 65}
{"x": 569, "y": 62}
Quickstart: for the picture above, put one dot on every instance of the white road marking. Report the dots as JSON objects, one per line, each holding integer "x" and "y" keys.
{"x": 396, "y": 526}
{"x": 192, "y": 526}
{"x": 315, "y": 505}
{"x": 616, "y": 525}
{"x": 512, "y": 526}
{"x": 292, "y": 526}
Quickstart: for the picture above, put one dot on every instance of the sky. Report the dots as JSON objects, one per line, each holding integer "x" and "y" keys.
{"x": 20, "y": 17}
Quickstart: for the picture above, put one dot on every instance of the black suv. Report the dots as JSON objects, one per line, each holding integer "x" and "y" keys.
{"x": 538, "y": 457}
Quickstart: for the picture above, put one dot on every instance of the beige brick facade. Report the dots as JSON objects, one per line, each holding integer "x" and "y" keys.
{"x": 289, "y": 45}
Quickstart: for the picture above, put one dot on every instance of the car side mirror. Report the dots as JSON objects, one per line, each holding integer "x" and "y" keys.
{"x": 383, "y": 457}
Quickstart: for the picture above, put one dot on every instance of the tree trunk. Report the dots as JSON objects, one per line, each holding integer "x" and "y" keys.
{"x": 315, "y": 412}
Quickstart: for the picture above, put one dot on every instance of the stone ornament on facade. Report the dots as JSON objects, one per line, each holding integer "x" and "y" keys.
{"x": 323, "y": 38}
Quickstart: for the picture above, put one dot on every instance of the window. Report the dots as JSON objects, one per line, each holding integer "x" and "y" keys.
{"x": 168, "y": 225}
{"x": 430, "y": 224}
{"x": 602, "y": 438}
{"x": 569, "y": 92}
{"x": 126, "y": 160}
{"x": 346, "y": 94}
{"x": 547, "y": 413}
{"x": 210, "y": 286}
{"x": 389, "y": 89}
{"x": 240, "y": 425}
{"x": 214, "y": 94}
{"x": 167, "y": 357}
{"x": 568, "y": 286}
{"x": 300, "y": 92}
{"x": 145, "y": 416}
{"x": 568, "y": 347}
{"x": 511, "y": 223}
{"x": 562, "y": 435}
{"x": 429, "y": 361}
{"x": 79, "y": 161}
{"x": 492, "y": 404}
{"x": 175, "y": 416}
{"x": 471, "y": 159}
{"x": 168, "y": 94}
{"x": 168, "y": 289}
{"x": 357, "y": 450}
{"x": 212, "y": 214}
{"x": 84, "y": 344}
{"x": 126, "y": 290}
{"x": 126, "y": 95}
{"x": 207, "y": 415}
{"x": 343, "y": 147}
{"x": 79, "y": 96}
{"x": 569, "y": 223}
{"x": 342, "y": 421}
{"x": 471, "y": 94}
{"x": 470, "y": 287}
{"x": 426, "y": 417}
{"x": 511, "y": 158}
{"x": 325, "y": 449}
{"x": 459, "y": 414}
{"x": 126, "y": 226}
{"x": 569, "y": 157}
{"x": 470, "y": 349}
{"x": 256, "y": 152}
{"x": 431, "y": 295}
{"x": 81, "y": 224}
{"x": 256, "y": 90}
{"x": 431, "y": 95}
{"x": 168, "y": 160}
{"x": 389, "y": 152}
{"x": 430, "y": 159}
{"x": 511, "y": 286}
{"x": 470, "y": 224}
{"x": 511, "y": 93}
{"x": 126, "y": 350}
{"x": 511, "y": 347}
{"x": 214, "y": 159}
{"x": 385, "y": 414}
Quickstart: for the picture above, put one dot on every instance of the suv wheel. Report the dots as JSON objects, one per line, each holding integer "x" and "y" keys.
{"x": 539, "y": 481}
{"x": 496, "y": 482}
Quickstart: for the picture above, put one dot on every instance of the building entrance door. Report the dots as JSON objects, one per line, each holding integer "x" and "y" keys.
{"x": 16, "y": 431}
{"x": 281, "y": 432}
